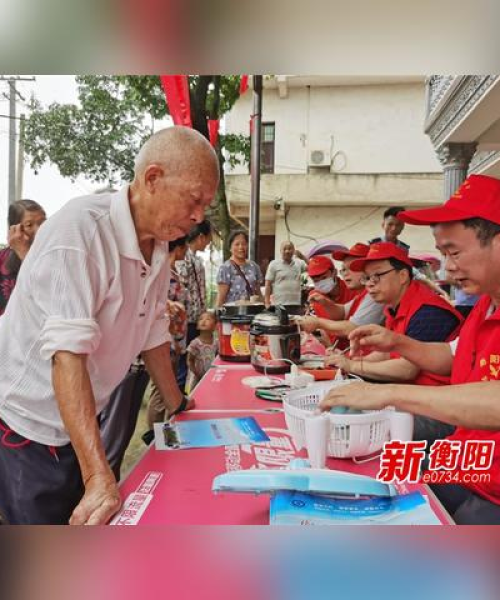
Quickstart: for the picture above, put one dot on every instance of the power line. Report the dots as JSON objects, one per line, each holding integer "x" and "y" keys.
{"x": 16, "y": 78}
{"x": 11, "y": 117}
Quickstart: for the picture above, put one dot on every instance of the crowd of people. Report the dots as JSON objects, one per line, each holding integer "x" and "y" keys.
{"x": 112, "y": 293}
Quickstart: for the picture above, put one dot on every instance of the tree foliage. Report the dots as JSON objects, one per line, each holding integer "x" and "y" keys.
{"x": 100, "y": 137}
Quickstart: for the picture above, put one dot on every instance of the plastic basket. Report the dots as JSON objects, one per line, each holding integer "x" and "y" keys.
{"x": 350, "y": 435}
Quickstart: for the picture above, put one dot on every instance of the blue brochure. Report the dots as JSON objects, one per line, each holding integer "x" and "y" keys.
{"x": 296, "y": 508}
{"x": 208, "y": 433}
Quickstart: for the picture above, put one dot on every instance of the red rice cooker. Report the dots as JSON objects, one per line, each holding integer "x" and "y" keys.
{"x": 234, "y": 323}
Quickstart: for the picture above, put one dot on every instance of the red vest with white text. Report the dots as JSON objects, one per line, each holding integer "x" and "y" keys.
{"x": 416, "y": 296}
{"x": 478, "y": 359}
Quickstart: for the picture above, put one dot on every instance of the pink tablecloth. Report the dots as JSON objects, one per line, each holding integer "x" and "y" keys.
{"x": 174, "y": 487}
{"x": 219, "y": 362}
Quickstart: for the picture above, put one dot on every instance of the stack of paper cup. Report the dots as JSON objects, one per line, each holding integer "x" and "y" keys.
{"x": 317, "y": 437}
{"x": 401, "y": 426}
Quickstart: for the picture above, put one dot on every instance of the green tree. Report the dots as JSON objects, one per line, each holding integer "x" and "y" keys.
{"x": 100, "y": 137}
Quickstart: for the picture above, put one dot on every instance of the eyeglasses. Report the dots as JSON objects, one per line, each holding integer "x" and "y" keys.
{"x": 375, "y": 278}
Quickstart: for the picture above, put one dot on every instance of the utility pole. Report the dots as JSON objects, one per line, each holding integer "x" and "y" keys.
{"x": 13, "y": 93}
{"x": 20, "y": 159}
{"x": 255, "y": 149}
{"x": 12, "y": 141}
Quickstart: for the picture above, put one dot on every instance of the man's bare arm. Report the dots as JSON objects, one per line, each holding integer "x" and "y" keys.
{"x": 435, "y": 357}
{"x": 75, "y": 398}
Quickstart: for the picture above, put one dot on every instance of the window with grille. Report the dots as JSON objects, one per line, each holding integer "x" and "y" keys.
{"x": 267, "y": 153}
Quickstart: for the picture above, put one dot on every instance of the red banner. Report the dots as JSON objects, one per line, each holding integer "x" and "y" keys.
{"x": 243, "y": 84}
{"x": 176, "y": 89}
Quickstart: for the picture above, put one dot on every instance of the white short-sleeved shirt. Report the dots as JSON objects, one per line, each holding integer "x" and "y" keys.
{"x": 368, "y": 312}
{"x": 286, "y": 280}
{"x": 84, "y": 288}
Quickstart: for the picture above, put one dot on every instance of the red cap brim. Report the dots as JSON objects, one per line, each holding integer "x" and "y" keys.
{"x": 359, "y": 265}
{"x": 432, "y": 216}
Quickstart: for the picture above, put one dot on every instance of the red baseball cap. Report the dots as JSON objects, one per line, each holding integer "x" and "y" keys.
{"x": 382, "y": 251}
{"x": 477, "y": 197}
{"x": 319, "y": 265}
{"x": 357, "y": 251}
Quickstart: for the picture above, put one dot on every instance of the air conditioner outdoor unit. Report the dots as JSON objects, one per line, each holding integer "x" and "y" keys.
{"x": 319, "y": 158}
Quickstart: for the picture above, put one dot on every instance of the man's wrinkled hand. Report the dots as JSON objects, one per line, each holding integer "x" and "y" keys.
{"x": 363, "y": 396}
{"x": 100, "y": 502}
{"x": 307, "y": 324}
{"x": 374, "y": 336}
{"x": 339, "y": 361}
{"x": 319, "y": 298}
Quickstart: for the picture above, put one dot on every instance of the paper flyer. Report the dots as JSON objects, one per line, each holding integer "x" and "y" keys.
{"x": 296, "y": 508}
{"x": 208, "y": 433}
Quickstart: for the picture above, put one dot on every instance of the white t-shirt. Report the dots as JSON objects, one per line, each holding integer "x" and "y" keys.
{"x": 285, "y": 278}
{"x": 85, "y": 288}
{"x": 369, "y": 312}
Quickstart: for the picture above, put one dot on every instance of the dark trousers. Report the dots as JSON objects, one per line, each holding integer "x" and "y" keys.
{"x": 465, "y": 507}
{"x": 39, "y": 485}
{"x": 119, "y": 419}
{"x": 182, "y": 366}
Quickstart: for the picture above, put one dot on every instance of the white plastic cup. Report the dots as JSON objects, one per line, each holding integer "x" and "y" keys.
{"x": 401, "y": 426}
{"x": 317, "y": 437}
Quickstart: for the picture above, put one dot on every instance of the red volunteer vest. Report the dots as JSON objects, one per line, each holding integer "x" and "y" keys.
{"x": 416, "y": 296}
{"x": 345, "y": 295}
{"x": 478, "y": 359}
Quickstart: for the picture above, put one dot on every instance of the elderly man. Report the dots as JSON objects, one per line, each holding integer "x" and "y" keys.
{"x": 410, "y": 308}
{"x": 362, "y": 310}
{"x": 283, "y": 277}
{"x": 467, "y": 233}
{"x": 91, "y": 297}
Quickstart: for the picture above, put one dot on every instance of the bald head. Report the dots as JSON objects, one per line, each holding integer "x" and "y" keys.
{"x": 287, "y": 243}
{"x": 287, "y": 249}
{"x": 178, "y": 150}
{"x": 176, "y": 179}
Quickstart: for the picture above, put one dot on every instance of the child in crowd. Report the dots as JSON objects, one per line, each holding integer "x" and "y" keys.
{"x": 202, "y": 350}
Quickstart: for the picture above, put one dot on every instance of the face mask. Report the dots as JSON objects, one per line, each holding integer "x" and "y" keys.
{"x": 325, "y": 286}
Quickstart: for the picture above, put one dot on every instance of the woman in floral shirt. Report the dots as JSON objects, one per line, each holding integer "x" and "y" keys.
{"x": 25, "y": 217}
{"x": 238, "y": 278}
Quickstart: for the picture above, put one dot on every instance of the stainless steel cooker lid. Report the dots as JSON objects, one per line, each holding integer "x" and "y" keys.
{"x": 233, "y": 309}
{"x": 267, "y": 319}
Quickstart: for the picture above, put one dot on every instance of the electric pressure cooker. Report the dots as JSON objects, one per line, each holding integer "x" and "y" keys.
{"x": 274, "y": 341}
